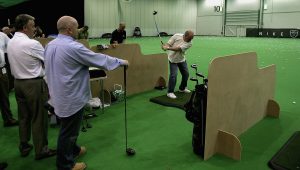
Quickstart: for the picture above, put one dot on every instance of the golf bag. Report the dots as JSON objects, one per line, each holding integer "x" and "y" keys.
{"x": 137, "y": 32}
{"x": 195, "y": 110}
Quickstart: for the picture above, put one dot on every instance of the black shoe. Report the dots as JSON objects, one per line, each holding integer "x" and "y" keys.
{"x": 25, "y": 149}
{"x": 11, "y": 122}
{"x": 3, "y": 165}
{"x": 49, "y": 153}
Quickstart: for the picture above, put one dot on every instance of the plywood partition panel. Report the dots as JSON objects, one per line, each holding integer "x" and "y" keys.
{"x": 143, "y": 73}
{"x": 238, "y": 97}
{"x": 144, "y": 70}
{"x": 45, "y": 41}
{"x": 273, "y": 109}
{"x": 229, "y": 145}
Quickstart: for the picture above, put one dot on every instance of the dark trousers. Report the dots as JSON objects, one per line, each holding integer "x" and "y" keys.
{"x": 9, "y": 75}
{"x": 4, "y": 98}
{"x": 67, "y": 149}
{"x": 31, "y": 96}
{"x": 183, "y": 68}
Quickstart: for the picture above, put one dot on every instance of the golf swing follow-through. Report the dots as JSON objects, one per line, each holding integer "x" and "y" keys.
{"x": 177, "y": 45}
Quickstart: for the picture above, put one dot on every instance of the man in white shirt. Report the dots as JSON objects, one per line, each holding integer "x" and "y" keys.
{"x": 7, "y": 116}
{"x": 177, "y": 46}
{"x": 9, "y": 33}
{"x": 26, "y": 59}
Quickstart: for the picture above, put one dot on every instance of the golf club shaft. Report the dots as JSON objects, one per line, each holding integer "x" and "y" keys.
{"x": 157, "y": 30}
{"x": 125, "y": 101}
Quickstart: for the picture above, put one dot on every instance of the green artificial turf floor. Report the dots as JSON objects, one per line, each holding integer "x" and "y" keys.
{"x": 161, "y": 135}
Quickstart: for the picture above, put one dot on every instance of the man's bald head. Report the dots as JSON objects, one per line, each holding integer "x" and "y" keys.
{"x": 188, "y": 35}
{"x": 67, "y": 25}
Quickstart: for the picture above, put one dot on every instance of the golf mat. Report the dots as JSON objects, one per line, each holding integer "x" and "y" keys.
{"x": 179, "y": 102}
{"x": 288, "y": 157}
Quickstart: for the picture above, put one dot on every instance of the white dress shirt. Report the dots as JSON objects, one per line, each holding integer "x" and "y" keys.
{"x": 3, "y": 45}
{"x": 25, "y": 56}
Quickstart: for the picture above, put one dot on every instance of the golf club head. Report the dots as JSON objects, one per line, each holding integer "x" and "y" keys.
{"x": 200, "y": 75}
{"x": 194, "y": 65}
{"x": 154, "y": 12}
{"x": 130, "y": 151}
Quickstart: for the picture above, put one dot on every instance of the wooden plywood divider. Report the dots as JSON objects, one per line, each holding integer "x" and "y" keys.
{"x": 45, "y": 41}
{"x": 143, "y": 72}
{"x": 273, "y": 109}
{"x": 239, "y": 95}
{"x": 229, "y": 145}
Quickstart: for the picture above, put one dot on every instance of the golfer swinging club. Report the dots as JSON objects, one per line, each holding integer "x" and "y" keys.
{"x": 177, "y": 45}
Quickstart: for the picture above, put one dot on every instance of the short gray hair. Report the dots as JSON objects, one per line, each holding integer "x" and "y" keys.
{"x": 22, "y": 20}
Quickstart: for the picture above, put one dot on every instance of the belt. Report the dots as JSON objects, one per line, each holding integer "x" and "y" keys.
{"x": 36, "y": 78}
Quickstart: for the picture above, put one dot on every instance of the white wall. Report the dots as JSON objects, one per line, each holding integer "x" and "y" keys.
{"x": 240, "y": 15}
{"x": 101, "y": 16}
{"x": 173, "y": 16}
{"x": 209, "y": 22}
{"x": 242, "y": 5}
{"x": 282, "y": 14}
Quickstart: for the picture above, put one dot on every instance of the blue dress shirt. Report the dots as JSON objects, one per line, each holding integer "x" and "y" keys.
{"x": 67, "y": 65}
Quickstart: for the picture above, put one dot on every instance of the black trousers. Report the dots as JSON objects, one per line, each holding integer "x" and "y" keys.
{"x": 4, "y": 97}
{"x": 67, "y": 148}
{"x": 11, "y": 78}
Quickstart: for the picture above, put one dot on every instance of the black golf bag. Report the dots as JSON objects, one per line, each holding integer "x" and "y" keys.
{"x": 137, "y": 32}
{"x": 195, "y": 110}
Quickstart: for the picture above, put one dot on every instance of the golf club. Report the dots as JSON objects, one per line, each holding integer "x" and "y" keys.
{"x": 154, "y": 13}
{"x": 199, "y": 75}
{"x": 129, "y": 151}
{"x": 194, "y": 66}
{"x": 194, "y": 79}
{"x": 205, "y": 81}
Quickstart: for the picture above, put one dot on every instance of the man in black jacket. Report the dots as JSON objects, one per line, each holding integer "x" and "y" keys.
{"x": 119, "y": 35}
